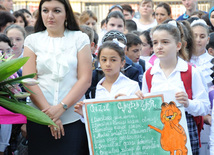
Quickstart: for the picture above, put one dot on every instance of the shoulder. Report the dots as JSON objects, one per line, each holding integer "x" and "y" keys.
{"x": 180, "y": 17}
{"x": 124, "y": 79}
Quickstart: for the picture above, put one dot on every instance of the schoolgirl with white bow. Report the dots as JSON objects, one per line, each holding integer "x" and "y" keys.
{"x": 167, "y": 74}
{"x": 112, "y": 59}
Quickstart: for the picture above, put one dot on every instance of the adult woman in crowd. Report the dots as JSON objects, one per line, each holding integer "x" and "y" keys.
{"x": 88, "y": 18}
{"x": 162, "y": 12}
{"x": 28, "y": 16}
{"x": 60, "y": 55}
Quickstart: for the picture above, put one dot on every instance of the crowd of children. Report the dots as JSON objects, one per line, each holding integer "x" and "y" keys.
{"x": 136, "y": 56}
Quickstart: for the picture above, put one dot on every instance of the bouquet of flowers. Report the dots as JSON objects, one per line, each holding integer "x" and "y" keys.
{"x": 10, "y": 90}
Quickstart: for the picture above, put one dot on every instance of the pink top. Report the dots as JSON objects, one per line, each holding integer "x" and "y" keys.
{"x": 8, "y": 117}
{"x": 152, "y": 59}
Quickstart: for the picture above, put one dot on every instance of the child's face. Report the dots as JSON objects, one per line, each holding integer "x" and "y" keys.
{"x": 17, "y": 39}
{"x": 146, "y": 48}
{"x": 134, "y": 52}
{"x": 164, "y": 45}
{"x": 161, "y": 15}
{"x": 115, "y": 24}
{"x": 5, "y": 49}
{"x": 20, "y": 21}
{"x": 110, "y": 62}
{"x": 201, "y": 39}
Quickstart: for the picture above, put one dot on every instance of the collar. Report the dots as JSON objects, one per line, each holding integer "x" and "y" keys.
{"x": 185, "y": 16}
{"x": 181, "y": 66}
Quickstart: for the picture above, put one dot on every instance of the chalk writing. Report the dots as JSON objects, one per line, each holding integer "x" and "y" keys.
{"x": 122, "y": 127}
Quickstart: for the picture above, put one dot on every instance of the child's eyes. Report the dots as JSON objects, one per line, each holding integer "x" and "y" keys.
{"x": 103, "y": 60}
{"x": 113, "y": 60}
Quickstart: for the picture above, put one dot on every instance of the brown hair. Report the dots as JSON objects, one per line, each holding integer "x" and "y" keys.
{"x": 85, "y": 15}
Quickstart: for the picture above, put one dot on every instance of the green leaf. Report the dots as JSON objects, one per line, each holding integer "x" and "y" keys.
{"x": 9, "y": 67}
{"x": 17, "y": 80}
{"x": 31, "y": 113}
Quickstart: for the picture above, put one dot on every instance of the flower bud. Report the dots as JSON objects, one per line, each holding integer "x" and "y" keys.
{"x": 29, "y": 82}
{"x": 21, "y": 95}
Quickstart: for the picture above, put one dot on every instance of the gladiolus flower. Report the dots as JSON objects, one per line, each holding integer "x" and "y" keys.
{"x": 21, "y": 95}
{"x": 29, "y": 82}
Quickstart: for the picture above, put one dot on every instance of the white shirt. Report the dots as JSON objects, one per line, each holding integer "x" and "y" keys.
{"x": 56, "y": 65}
{"x": 212, "y": 134}
{"x": 123, "y": 85}
{"x": 203, "y": 64}
{"x": 200, "y": 103}
{"x": 141, "y": 27}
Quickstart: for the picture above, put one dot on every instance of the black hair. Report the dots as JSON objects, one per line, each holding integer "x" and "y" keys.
{"x": 115, "y": 6}
{"x": 146, "y": 34}
{"x": 4, "y": 38}
{"x": 6, "y": 17}
{"x": 25, "y": 11}
{"x": 70, "y": 18}
{"x": 113, "y": 46}
{"x": 131, "y": 25}
{"x": 96, "y": 38}
{"x": 211, "y": 41}
{"x": 114, "y": 34}
{"x": 115, "y": 14}
{"x": 20, "y": 14}
{"x": 166, "y": 6}
{"x": 191, "y": 19}
{"x": 132, "y": 39}
{"x": 128, "y": 8}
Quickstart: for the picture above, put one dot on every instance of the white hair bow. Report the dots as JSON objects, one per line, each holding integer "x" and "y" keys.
{"x": 173, "y": 22}
{"x": 199, "y": 21}
{"x": 118, "y": 43}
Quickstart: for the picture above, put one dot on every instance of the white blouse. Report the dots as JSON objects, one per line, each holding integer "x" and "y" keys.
{"x": 141, "y": 27}
{"x": 56, "y": 64}
{"x": 200, "y": 103}
{"x": 123, "y": 85}
{"x": 203, "y": 64}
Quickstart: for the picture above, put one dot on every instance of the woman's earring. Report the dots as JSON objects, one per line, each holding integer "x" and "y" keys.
{"x": 66, "y": 23}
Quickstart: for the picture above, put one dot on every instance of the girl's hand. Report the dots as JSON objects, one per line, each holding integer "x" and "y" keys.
{"x": 182, "y": 98}
{"x": 54, "y": 112}
{"x": 118, "y": 95}
{"x": 207, "y": 119}
{"x": 139, "y": 94}
{"x": 78, "y": 108}
{"x": 58, "y": 131}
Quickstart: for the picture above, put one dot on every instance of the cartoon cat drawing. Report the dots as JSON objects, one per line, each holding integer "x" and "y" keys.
{"x": 173, "y": 136}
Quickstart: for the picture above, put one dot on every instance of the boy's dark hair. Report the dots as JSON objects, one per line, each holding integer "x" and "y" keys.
{"x": 146, "y": 34}
{"x": 132, "y": 39}
{"x": 4, "y": 38}
{"x": 89, "y": 31}
{"x": 128, "y": 8}
{"x": 211, "y": 42}
{"x": 96, "y": 38}
{"x": 131, "y": 25}
{"x": 6, "y": 17}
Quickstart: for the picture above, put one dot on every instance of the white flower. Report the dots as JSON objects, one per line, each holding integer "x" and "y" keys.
{"x": 21, "y": 95}
{"x": 29, "y": 82}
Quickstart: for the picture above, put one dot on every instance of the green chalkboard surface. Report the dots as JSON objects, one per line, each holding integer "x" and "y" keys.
{"x": 121, "y": 126}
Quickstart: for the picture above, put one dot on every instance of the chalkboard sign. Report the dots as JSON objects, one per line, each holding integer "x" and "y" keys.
{"x": 121, "y": 126}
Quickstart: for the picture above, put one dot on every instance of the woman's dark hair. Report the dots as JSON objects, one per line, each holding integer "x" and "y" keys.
{"x": 25, "y": 11}
{"x": 113, "y": 46}
{"x": 115, "y": 14}
{"x": 146, "y": 34}
{"x": 70, "y": 18}
{"x": 6, "y": 17}
{"x": 4, "y": 38}
{"x": 166, "y": 6}
{"x": 20, "y": 14}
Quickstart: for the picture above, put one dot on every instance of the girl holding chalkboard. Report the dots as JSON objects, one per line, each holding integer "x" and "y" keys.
{"x": 166, "y": 74}
{"x": 112, "y": 59}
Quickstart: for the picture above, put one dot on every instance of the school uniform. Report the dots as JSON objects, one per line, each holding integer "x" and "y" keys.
{"x": 123, "y": 85}
{"x": 199, "y": 106}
